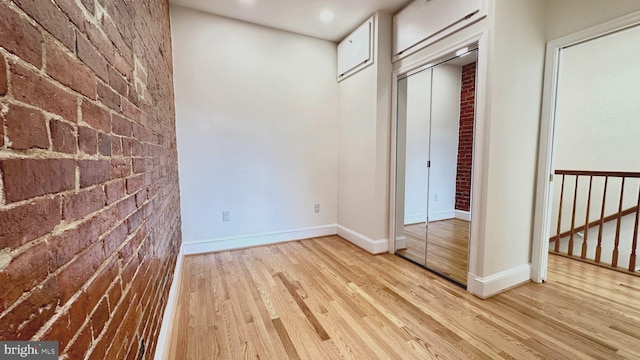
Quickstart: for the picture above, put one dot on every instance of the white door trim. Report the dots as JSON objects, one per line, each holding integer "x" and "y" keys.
{"x": 541, "y": 231}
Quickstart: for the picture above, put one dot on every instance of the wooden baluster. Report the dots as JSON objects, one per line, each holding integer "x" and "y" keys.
{"x": 573, "y": 217}
{"x": 557, "y": 245}
{"x": 604, "y": 202}
{"x": 583, "y": 255}
{"x": 634, "y": 245}
{"x": 614, "y": 259}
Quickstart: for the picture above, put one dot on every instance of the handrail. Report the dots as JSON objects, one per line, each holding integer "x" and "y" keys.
{"x": 594, "y": 223}
{"x": 598, "y": 173}
{"x": 621, "y": 212}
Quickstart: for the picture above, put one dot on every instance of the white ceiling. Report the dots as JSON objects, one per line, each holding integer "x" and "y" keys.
{"x": 299, "y": 16}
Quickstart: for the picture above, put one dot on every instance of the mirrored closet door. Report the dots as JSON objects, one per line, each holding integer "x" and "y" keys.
{"x": 435, "y": 122}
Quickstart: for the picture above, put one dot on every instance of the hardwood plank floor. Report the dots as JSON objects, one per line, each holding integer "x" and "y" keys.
{"x": 327, "y": 299}
{"x": 447, "y": 247}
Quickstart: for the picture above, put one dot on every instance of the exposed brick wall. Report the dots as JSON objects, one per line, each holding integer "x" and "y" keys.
{"x": 465, "y": 137}
{"x": 89, "y": 200}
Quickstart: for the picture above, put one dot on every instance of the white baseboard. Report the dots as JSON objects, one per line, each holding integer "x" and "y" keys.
{"x": 401, "y": 242}
{"x": 496, "y": 283}
{"x": 442, "y": 215}
{"x": 415, "y": 219}
{"x": 366, "y": 243}
{"x": 259, "y": 239}
{"x": 164, "y": 337}
{"x": 463, "y": 215}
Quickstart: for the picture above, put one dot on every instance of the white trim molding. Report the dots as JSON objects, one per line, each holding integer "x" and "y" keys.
{"x": 484, "y": 287}
{"x": 364, "y": 242}
{"x": 415, "y": 219}
{"x": 164, "y": 338}
{"x": 463, "y": 215}
{"x": 251, "y": 240}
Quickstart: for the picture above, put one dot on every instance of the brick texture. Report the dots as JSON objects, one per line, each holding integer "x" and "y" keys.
{"x": 465, "y": 137}
{"x": 89, "y": 201}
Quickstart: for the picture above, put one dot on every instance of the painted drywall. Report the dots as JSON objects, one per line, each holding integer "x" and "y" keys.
{"x": 418, "y": 115}
{"x": 257, "y": 120}
{"x": 432, "y": 109}
{"x": 596, "y": 123}
{"x": 445, "y": 112}
{"x": 364, "y": 137}
{"x": 515, "y": 75}
{"x": 568, "y": 16}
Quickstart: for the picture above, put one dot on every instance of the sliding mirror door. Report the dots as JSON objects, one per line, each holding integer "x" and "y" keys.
{"x": 435, "y": 122}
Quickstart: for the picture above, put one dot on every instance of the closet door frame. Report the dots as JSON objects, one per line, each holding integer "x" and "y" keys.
{"x": 476, "y": 241}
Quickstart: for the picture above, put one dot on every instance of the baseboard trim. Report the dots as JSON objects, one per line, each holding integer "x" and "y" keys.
{"x": 364, "y": 242}
{"x": 496, "y": 283}
{"x": 463, "y": 215}
{"x": 442, "y": 215}
{"x": 415, "y": 219}
{"x": 259, "y": 239}
{"x": 401, "y": 242}
{"x": 164, "y": 337}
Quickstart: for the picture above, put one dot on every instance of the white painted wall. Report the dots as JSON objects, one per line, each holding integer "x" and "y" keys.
{"x": 257, "y": 125}
{"x": 596, "y": 121}
{"x": 568, "y": 16}
{"x": 364, "y": 138}
{"x": 418, "y": 116}
{"x": 445, "y": 119}
{"x": 432, "y": 118}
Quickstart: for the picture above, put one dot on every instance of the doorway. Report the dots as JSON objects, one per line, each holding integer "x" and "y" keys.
{"x": 434, "y": 161}
{"x": 589, "y": 174}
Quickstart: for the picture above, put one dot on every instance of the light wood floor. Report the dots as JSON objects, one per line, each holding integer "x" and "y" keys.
{"x": 326, "y": 299}
{"x": 447, "y": 247}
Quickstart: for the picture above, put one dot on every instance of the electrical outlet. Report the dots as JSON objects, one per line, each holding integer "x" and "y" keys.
{"x": 225, "y": 215}
{"x": 317, "y": 208}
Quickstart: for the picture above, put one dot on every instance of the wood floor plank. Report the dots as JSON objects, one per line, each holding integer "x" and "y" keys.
{"x": 324, "y": 298}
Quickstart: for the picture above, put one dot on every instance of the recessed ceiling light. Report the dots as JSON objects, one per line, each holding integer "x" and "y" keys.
{"x": 326, "y": 16}
{"x": 462, "y": 51}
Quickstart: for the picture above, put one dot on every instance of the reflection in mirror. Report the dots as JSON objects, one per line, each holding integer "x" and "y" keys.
{"x": 435, "y": 121}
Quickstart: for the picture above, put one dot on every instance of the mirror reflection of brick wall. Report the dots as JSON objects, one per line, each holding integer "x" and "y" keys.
{"x": 465, "y": 140}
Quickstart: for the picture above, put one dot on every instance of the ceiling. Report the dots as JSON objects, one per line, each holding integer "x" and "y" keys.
{"x": 298, "y": 16}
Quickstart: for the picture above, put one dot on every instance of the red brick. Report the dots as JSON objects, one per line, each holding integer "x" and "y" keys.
{"x": 102, "y": 43}
{"x": 24, "y": 272}
{"x": 77, "y": 206}
{"x": 112, "y": 32}
{"x": 59, "y": 331}
{"x": 74, "y": 276}
{"x": 65, "y": 68}
{"x": 139, "y": 165}
{"x": 24, "y": 321}
{"x": 63, "y": 137}
{"x": 20, "y": 37}
{"x": 100, "y": 317}
{"x": 99, "y": 350}
{"x": 24, "y": 223}
{"x": 27, "y": 178}
{"x": 78, "y": 313}
{"x": 114, "y": 191}
{"x": 120, "y": 168}
{"x": 113, "y": 240}
{"x": 92, "y": 58}
{"x": 89, "y": 5}
{"x": 98, "y": 287}
{"x": 121, "y": 126}
{"x": 26, "y": 128}
{"x": 96, "y": 116}
{"x": 123, "y": 66}
{"x": 116, "y": 146}
{"x": 73, "y": 12}
{"x": 117, "y": 82}
{"x": 87, "y": 140}
{"x": 93, "y": 172}
{"x": 465, "y": 138}
{"x": 104, "y": 144}
{"x": 81, "y": 345}
{"x": 47, "y": 14}
{"x": 71, "y": 242}
{"x": 109, "y": 97}
{"x": 35, "y": 90}
{"x": 3, "y": 81}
